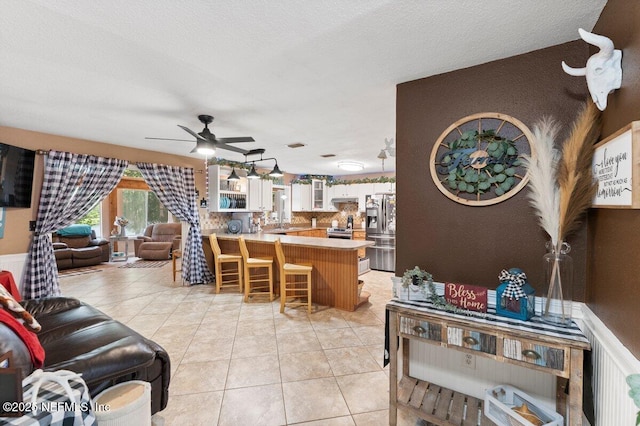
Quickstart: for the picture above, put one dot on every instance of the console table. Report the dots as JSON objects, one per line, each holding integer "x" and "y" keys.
{"x": 530, "y": 344}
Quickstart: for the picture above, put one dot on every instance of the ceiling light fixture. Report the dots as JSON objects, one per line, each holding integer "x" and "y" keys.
{"x": 233, "y": 175}
{"x": 253, "y": 174}
{"x": 276, "y": 171}
{"x": 351, "y": 166}
{"x": 205, "y": 147}
{"x": 382, "y": 156}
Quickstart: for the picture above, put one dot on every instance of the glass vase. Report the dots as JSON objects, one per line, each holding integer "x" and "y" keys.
{"x": 558, "y": 275}
{"x": 123, "y": 231}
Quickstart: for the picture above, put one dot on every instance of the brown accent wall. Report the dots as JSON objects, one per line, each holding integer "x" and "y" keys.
{"x": 16, "y": 232}
{"x": 614, "y": 234}
{"x": 473, "y": 244}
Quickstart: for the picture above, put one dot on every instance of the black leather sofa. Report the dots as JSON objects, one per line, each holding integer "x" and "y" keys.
{"x": 80, "y": 338}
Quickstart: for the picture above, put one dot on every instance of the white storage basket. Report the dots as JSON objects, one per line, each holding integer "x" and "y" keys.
{"x": 124, "y": 404}
{"x": 500, "y": 401}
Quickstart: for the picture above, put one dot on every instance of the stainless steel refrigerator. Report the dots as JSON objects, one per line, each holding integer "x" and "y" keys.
{"x": 380, "y": 226}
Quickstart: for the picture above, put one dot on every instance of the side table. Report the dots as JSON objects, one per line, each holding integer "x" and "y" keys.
{"x": 118, "y": 255}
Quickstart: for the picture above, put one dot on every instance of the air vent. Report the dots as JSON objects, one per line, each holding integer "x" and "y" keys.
{"x": 296, "y": 145}
{"x": 327, "y": 155}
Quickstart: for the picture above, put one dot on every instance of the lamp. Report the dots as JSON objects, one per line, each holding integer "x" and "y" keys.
{"x": 204, "y": 147}
{"x": 276, "y": 171}
{"x": 233, "y": 175}
{"x": 252, "y": 173}
{"x": 351, "y": 166}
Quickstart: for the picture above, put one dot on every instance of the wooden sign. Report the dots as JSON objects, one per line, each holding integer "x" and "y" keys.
{"x": 465, "y": 296}
{"x": 616, "y": 166}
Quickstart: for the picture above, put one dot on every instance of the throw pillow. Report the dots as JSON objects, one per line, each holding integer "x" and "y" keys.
{"x": 9, "y": 303}
{"x": 75, "y": 230}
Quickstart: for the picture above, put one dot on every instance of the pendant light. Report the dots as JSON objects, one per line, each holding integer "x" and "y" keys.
{"x": 276, "y": 171}
{"x": 252, "y": 173}
{"x": 233, "y": 175}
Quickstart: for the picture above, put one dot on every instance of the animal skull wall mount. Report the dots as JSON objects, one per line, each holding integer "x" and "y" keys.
{"x": 603, "y": 69}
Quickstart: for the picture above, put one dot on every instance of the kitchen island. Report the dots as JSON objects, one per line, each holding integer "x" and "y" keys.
{"x": 334, "y": 279}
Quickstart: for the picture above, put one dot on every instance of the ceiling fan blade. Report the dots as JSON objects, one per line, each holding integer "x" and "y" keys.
{"x": 230, "y": 148}
{"x": 236, "y": 140}
{"x": 191, "y": 132}
{"x": 166, "y": 139}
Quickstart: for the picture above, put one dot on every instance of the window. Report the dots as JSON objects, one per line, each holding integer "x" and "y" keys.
{"x": 142, "y": 208}
{"x": 93, "y": 219}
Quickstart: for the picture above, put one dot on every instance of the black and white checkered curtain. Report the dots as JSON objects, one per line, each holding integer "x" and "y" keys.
{"x": 176, "y": 189}
{"x": 73, "y": 184}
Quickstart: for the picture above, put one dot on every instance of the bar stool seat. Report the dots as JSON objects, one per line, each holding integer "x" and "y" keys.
{"x": 299, "y": 287}
{"x": 222, "y": 273}
{"x": 256, "y": 283}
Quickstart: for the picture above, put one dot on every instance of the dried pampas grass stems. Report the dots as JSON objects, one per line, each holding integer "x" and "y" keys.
{"x": 575, "y": 179}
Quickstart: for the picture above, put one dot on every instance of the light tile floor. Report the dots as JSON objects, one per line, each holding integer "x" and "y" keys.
{"x": 235, "y": 363}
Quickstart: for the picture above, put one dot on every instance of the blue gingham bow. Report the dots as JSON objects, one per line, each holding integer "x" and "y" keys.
{"x": 516, "y": 281}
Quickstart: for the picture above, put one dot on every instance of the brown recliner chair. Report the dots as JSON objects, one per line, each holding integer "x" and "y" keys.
{"x": 158, "y": 241}
{"x": 74, "y": 251}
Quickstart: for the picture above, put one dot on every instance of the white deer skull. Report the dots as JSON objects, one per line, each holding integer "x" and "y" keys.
{"x": 603, "y": 70}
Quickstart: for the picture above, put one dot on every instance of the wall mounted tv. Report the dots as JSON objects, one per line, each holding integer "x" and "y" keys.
{"x": 16, "y": 176}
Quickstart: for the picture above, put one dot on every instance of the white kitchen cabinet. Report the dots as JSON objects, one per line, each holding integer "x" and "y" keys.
{"x": 385, "y": 187}
{"x": 226, "y": 195}
{"x": 318, "y": 195}
{"x": 364, "y": 189}
{"x": 260, "y": 195}
{"x": 300, "y": 197}
{"x": 341, "y": 191}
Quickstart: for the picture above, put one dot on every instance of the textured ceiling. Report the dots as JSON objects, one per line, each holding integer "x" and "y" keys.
{"x": 318, "y": 72}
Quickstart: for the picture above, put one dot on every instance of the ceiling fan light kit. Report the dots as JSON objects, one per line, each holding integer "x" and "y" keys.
{"x": 205, "y": 148}
{"x": 350, "y": 166}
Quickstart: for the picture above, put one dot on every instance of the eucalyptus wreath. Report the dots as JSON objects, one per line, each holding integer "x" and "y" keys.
{"x": 497, "y": 169}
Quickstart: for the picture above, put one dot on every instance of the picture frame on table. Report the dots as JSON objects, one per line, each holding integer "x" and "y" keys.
{"x": 10, "y": 387}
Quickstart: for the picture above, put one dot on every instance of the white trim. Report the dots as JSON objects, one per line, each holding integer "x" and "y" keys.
{"x": 14, "y": 263}
{"x": 621, "y": 356}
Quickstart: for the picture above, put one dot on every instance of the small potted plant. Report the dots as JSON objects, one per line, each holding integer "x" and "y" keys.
{"x": 416, "y": 281}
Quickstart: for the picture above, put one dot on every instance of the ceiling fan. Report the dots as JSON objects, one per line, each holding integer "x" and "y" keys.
{"x": 207, "y": 142}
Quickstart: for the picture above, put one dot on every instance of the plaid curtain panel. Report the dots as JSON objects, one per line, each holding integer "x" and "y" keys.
{"x": 73, "y": 184}
{"x": 176, "y": 189}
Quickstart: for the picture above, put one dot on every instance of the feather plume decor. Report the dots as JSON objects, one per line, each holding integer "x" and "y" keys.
{"x": 544, "y": 194}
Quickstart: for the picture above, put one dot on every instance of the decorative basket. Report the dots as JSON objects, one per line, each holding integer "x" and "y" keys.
{"x": 501, "y": 402}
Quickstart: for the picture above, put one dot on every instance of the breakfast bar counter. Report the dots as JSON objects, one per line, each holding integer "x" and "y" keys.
{"x": 335, "y": 262}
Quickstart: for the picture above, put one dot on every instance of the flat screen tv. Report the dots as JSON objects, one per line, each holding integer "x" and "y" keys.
{"x": 16, "y": 176}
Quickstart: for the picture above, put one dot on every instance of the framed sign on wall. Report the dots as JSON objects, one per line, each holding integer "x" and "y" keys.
{"x": 616, "y": 166}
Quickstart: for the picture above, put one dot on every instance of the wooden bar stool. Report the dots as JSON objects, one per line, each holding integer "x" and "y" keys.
{"x": 222, "y": 273}
{"x": 256, "y": 283}
{"x": 300, "y": 286}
